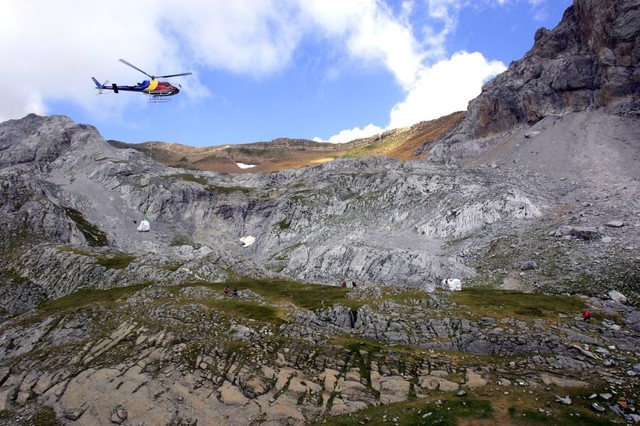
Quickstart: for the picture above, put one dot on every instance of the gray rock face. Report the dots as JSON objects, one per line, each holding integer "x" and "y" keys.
{"x": 590, "y": 60}
{"x": 71, "y": 223}
{"x": 70, "y": 203}
{"x": 71, "y": 214}
{"x": 42, "y": 139}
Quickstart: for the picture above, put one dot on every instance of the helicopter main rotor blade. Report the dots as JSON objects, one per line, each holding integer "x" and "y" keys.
{"x": 174, "y": 75}
{"x": 136, "y": 68}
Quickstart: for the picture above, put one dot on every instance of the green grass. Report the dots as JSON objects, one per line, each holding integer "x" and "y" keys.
{"x": 173, "y": 267}
{"x": 88, "y": 296}
{"x": 624, "y": 272}
{"x": 284, "y": 224}
{"x": 364, "y": 151}
{"x": 380, "y": 148}
{"x": 182, "y": 240}
{"x": 94, "y": 236}
{"x": 355, "y": 344}
{"x": 228, "y": 189}
{"x": 247, "y": 309}
{"x": 483, "y": 408}
{"x": 444, "y": 412}
{"x": 306, "y": 296}
{"x": 117, "y": 261}
{"x": 524, "y": 410}
{"x": 286, "y": 252}
{"x": 189, "y": 178}
{"x": 76, "y": 250}
{"x": 14, "y": 276}
{"x": 405, "y": 297}
{"x": 565, "y": 419}
{"x": 502, "y": 303}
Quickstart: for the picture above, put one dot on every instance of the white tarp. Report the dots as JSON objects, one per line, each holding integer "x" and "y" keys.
{"x": 247, "y": 241}
{"x": 144, "y": 226}
{"x": 452, "y": 284}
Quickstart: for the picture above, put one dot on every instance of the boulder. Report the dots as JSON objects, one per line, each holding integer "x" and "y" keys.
{"x": 474, "y": 380}
{"x": 232, "y": 395}
{"x": 7, "y": 396}
{"x": 585, "y": 233}
{"x": 615, "y": 224}
{"x": 616, "y": 296}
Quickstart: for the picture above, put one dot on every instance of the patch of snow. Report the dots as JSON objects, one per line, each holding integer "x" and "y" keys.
{"x": 245, "y": 166}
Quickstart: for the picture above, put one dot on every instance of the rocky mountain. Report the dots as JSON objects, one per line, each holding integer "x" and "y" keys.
{"x": 532, "y": 199}
{"x": 281, "y": 154}
{"x": 589, "y": 61}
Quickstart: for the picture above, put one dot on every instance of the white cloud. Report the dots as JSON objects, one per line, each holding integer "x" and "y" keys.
{"x": 443, "y": 16}
{"x": 54, "y": 50}
{"x": 431, "y": 91}
{"x": 368, "y": 31}
{"x": 443, "y": 88}
{"x": 349, "y": 135}
{"x": 248, "y": 37}
{"x": 50, "y": 52}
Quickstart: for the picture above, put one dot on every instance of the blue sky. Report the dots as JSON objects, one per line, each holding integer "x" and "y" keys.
{"x": 330, "y": 70}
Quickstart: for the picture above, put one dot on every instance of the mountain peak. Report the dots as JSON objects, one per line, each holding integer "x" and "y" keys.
{"x": 589, "y": 60}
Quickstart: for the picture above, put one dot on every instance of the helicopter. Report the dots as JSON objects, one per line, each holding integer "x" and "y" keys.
{"x": 156, "y": 89}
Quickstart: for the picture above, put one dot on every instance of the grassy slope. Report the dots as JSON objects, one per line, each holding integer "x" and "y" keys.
{"x": 277, "y": 155}
{"x": 490, "y": 405}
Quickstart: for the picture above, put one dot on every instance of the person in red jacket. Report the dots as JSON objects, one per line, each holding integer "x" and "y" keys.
{"x": 586, "y": 315}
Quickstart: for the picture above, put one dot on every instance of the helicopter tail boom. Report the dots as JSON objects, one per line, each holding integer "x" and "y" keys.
{"x": 99, "y": 86}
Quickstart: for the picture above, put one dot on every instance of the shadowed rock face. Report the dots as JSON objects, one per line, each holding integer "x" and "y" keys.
{"x": 590, "y": 60}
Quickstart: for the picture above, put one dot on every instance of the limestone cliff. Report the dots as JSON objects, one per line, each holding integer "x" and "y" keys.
{"x": 589, "y": 61}
{"x": 71, "y": 202}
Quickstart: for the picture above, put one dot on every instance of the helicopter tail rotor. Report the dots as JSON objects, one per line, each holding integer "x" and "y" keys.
{"x": 100, "y": 86}
{"x": 103, "y": 85}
